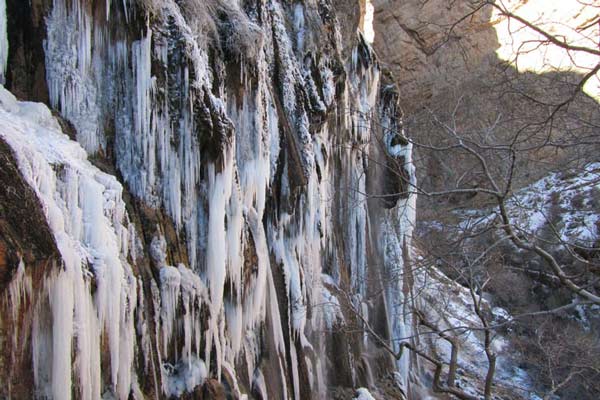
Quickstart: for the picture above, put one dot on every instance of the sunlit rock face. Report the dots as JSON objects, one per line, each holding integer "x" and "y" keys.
{"x": 431, "y": 46}
{"x": 457, "y": 61}
{"x": 201, "y": 178}
{"x": 412, "y": 39}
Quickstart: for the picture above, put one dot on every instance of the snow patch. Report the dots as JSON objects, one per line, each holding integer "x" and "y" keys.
{"x": 184, "y": 377}
{"x": 363, "y": 394}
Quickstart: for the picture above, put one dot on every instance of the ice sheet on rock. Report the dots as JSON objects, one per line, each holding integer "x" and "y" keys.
{"x": 87, "y": 216}
{"x": 363, "y": 394}
{"x": 184, "y": 377}
{"x": 331, "y": 309}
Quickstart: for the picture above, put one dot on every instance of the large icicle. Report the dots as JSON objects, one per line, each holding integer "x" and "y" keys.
{"x": 220, "y": 192}
{"x": 69, "y": 69}
{"x": 3, "y": 41}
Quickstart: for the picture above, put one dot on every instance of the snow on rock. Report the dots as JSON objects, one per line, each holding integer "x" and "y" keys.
{"x": 184, "y": 376}
{"x": 363, "y": 394}
{"x": 560, "y": 209}
{"x": 87, "y": 216}
{"x": 565, "y": 203}
{"x": 572, "y": 191}
{"x": 449, "y": 307}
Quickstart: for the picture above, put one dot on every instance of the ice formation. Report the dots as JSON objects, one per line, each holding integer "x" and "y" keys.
{"x": 86, "y": 213}
{"x": 256, "y": 159}
{"x": 363, "y": 394}
{"x": 3, "y": 41}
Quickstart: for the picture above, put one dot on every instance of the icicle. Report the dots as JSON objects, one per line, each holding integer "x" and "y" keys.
{"x": 3, "y": 41}
{"x": 299, "y": 23}
{"x": 220, "y": 192}
{"x": 258, "y": 384}
{"x": 286, "y": 250}
{"x": 256, "y": 302}
{"x": 19, "y": 290}
{"x": 157, "y": 145}
{"x": 88, "y": 338}
{"x": 170, "y": 282}
{"x": 62, "y": 302}
{"x": 71, "y": 82}
{"x": 86, "y": 213}
{"x": 125, "y": 380}
{"x": 235, "y": 222}
{"x": 193, "y": 295}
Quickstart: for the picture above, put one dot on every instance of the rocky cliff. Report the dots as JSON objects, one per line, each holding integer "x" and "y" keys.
{"x": 195, "y": 211}
{"x": 464, "y": 64}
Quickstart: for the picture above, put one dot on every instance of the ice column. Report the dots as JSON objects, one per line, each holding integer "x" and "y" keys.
{"x": 3, "y": 41}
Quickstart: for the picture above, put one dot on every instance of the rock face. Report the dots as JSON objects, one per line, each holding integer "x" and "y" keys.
{"x": 455, "y": 86}
{"x": 25, "y": 239}
{"x": 445, "y": 59}
{"x": 210, "y": 232}
{"x": 26, "y": 30}
{"x": 430, "y": 46}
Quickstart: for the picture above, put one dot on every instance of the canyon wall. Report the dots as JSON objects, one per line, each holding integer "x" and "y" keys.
{"x": 196, "y": 211}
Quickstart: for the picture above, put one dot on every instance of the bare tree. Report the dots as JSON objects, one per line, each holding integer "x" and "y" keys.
{"x": 485, "y": 159}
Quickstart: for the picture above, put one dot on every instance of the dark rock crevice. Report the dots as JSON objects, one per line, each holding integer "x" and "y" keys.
{"x": 26, "y": 73}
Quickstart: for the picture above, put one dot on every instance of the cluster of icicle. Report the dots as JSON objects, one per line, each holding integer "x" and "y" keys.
{"x": 395, "y": 241}
{"x": 86, "y": 213}
{"x": 96, "y": 74}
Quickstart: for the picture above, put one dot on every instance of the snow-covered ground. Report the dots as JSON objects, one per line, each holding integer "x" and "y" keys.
{"x": 449, "y": 306}
{"x": 566, "y": 204}
{"x": 560, "y": 209}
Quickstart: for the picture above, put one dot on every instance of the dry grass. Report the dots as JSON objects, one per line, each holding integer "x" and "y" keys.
{"x": 219, "y": 23}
